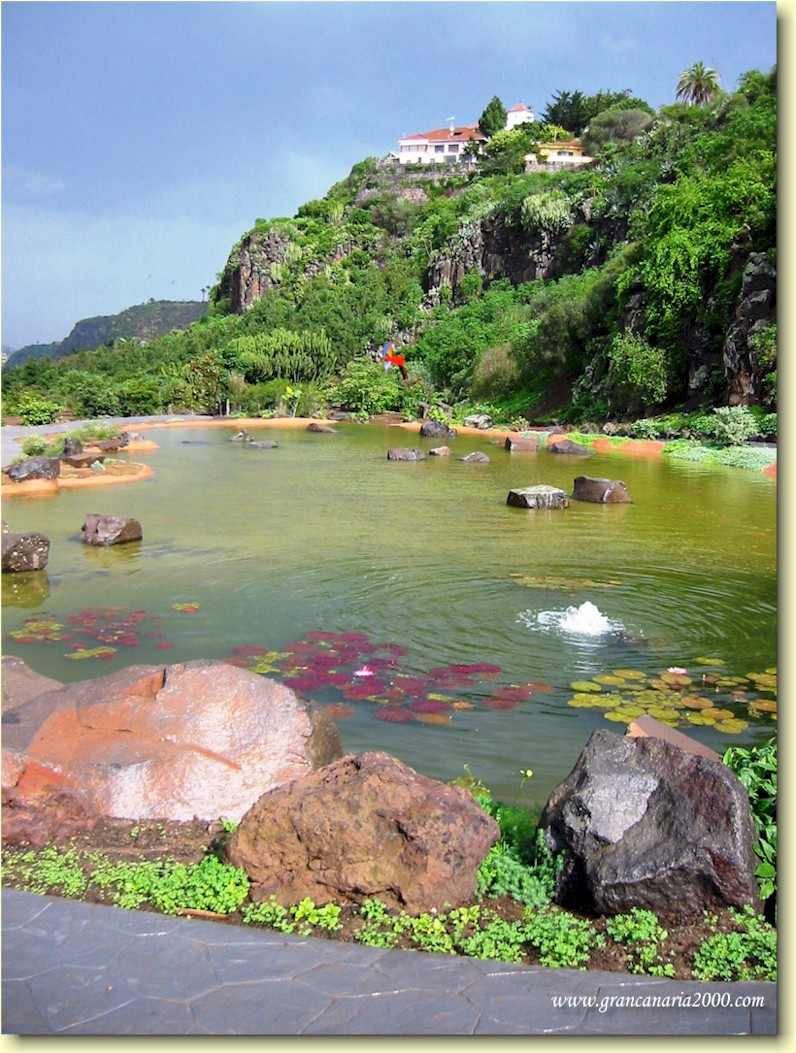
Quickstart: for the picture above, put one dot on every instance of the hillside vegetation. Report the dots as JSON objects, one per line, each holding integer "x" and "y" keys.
{"x": 143, "y": 322}
{"x": 609, "y": 291}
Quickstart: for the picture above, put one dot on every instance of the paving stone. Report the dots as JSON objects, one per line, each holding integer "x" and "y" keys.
{"x": 81, "y": 969}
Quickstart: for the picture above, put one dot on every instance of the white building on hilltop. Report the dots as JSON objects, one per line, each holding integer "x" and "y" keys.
{"x": 447, "y": 145}
{"x": 440, "y": 146}
{"x": 519, "y": 114}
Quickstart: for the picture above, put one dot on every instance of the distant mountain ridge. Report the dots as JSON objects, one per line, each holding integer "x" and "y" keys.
{"x": 144, "y": 321}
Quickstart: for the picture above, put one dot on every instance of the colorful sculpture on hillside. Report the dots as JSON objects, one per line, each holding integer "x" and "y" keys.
{"x": 392, "y": 358}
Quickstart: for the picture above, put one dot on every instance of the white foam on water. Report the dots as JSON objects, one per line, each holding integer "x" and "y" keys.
{"x": 586, "y": 620}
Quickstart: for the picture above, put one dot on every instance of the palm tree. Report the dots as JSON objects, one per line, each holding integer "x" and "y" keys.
{"x": 698, "y": 84}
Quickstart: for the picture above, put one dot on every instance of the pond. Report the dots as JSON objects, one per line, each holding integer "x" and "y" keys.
{"x": 321, "y": 562}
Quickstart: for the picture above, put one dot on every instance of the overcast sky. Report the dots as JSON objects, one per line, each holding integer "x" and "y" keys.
{"x": 141, "y": 140}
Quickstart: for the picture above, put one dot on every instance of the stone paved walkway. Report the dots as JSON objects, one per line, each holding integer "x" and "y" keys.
{"x": 71, "y": 968}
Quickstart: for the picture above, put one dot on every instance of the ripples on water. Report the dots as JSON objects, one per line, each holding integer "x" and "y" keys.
{"x": 325, "y": 533}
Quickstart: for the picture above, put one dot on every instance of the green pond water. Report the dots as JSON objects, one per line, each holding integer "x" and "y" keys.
{"x": 324, "y": 535}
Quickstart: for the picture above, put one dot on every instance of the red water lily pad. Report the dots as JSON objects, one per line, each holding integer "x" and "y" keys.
{"x": 304, "y": 683}
{"x": 512, "y": 692}
{"x": 499, "y": 703}
{"x": 394, "y": 714}
{"x": 429, "y": 705}
{"x": 338, "y": 711}
{"x": 248, "y": 650}
{"x": 164, "y": 646}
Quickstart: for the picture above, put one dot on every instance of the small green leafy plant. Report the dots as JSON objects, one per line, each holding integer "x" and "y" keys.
{"x": 643, "y": 936}
{"x": 748, "y": 953}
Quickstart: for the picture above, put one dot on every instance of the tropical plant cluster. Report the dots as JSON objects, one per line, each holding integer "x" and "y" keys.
{"x": 646, "y": 248}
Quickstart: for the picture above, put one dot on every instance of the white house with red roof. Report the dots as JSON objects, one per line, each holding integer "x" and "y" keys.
{"x": 519, "y": 114}
{"x": 447, "y": 145}
{"x": 440, "y": 146}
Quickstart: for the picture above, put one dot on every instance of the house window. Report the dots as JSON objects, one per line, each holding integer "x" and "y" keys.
{"x": 565, "y": 153}
{"x": 439, "y": 149}
{"x": 453, "y": 148}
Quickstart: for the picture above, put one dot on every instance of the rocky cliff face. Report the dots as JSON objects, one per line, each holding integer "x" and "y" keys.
{"x": 755, "y": 311}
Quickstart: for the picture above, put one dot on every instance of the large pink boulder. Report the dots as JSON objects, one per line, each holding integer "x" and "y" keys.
{"x": 202, "y": 739}
{"x": 365, "y": 826}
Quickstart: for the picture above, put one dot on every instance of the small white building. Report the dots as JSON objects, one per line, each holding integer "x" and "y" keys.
{"x": 440, "y": 146}
{"x": 519, "y": 114}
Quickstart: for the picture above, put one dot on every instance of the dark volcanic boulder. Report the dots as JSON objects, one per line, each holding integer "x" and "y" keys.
{"x": 475, "y": 458}
{"x": 541, "y": 496}
{"x": 435, "y": 429}
{"x": 110, "y": 530}
{"x": 72, "y": 446}
{"x": 600, "y": 491}
{"x": 201, "y": 738}
{"x": 24, "y": 552}
{"x": 568, "y": 446}
{"x": 647, "y": 824}
{"x": 365, "y": 826}
{"x": 406, "y": 454}
{"x": 35, "y": 468}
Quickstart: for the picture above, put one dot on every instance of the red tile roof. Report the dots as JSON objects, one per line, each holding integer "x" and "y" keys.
{"x": 519, "y": 108}
{"x": 445, "y": 135}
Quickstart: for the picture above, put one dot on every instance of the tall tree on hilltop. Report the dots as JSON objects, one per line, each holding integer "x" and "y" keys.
{"x": 698, "y": 85}
{"x": 493, "y": 119}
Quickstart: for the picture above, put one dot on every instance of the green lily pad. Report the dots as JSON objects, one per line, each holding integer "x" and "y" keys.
{"x": 585, "y": 685}
{"x": 630, "y": 674}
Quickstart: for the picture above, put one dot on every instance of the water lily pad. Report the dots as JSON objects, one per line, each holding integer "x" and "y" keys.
{"x": 678, "y": 679}
{"x": 663, "y": 714}
{"x": 696, "y": 702}
{"x": 461, "y": 704}
{"x": 610, "y": 679}
{"x": 718, "y": 714}
{"x": 630, "y": 674}
{"x": 499, "y": 703}
{"x": 94, "y": 652}
{"x": 394, "y": 715}
{"x": 537, "y": 688}
{"x": 186, "y": 608}
{"x": 606, "y": 701}
{"x": 583, "y": 700}
{"x": 732, "y": 727}
{"x": 338, "y": 711}
{"x": 699, "y": 720}
{"x": 763, "y": 705}
{"x": 433, "y": 718}
{"x": 584, "y": 685}
{"x": 702, "y": 660}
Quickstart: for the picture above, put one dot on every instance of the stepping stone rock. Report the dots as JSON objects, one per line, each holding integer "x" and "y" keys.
{"x": 600, "y": 491}
{"x": 435, "y": 429}
{"x": 406, "y": 454}
{"x": 110, "y": 530}
{"x": 35, "y": 468}
{"x": 541, "y": 496}
{"x": 323, "y": 429}
{"x": 24, "y": 552}
{"x": 82, "y": 460}
{"x": 478, "y": 420}
{"x": 529, "y": 445}
{"x": 475, "y": 458}
{"x": 568, "y": 446}
{"x": 440, "y": 451}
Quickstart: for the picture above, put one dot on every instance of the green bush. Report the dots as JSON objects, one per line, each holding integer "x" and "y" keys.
{"x": 33, "y": 409}
{"x": 640, "y": 368}
{"x": 643, "y": 936}
{"x": 366, "y": 387}
{"x": 733, "y": 425}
